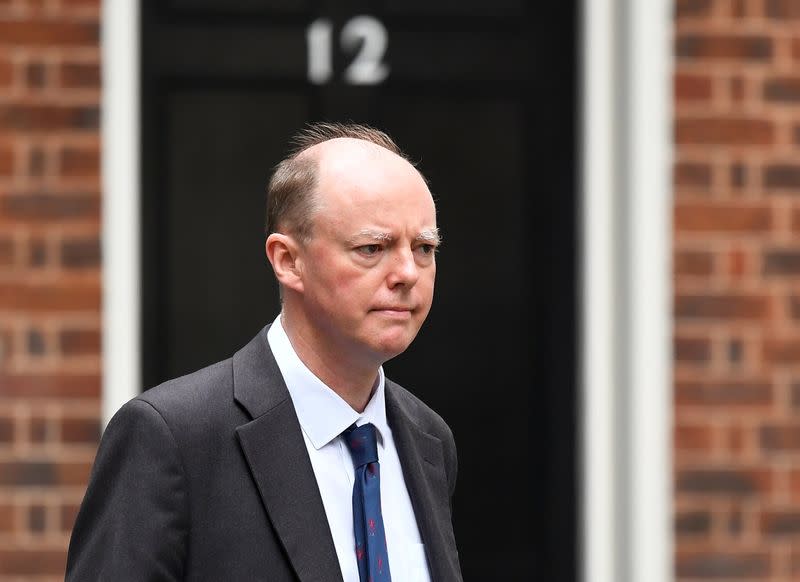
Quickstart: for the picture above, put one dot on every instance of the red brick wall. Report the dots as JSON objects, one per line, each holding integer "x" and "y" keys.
{"x": 737, "y": 289}
{"x": 49, "y": 276}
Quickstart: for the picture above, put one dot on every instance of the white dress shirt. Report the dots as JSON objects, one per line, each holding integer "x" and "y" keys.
{"x": 323, "y": 415}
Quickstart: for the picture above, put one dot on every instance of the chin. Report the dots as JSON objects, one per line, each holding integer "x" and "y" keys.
{"x": 392, "y": 347}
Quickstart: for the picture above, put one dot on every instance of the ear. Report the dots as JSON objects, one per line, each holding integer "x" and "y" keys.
{"x": 283, "y": 253}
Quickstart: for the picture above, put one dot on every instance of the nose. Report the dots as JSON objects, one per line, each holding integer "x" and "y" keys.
{"x": 403, "y": 269}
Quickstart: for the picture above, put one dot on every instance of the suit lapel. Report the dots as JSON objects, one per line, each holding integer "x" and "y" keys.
{"x": 276, "y": 453}
{"x": 423, "y": 469}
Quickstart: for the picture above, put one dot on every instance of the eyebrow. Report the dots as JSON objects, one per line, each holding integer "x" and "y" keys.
{"x": 428, "y": 235}
{"x": 370, "y": 234}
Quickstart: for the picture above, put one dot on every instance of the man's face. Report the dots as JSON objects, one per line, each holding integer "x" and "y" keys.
{"x": 369, "y": 268}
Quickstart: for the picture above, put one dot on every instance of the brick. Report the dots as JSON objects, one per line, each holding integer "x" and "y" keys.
{"x": 80, "y": 430}
{"x": 735, "y": 351}
{"x": 782, "y": 89}
{"x": 75, "y": 473}
{"x": 781, "y": 262}
{"x": 37, "y": 428}
{"x": 50, "y": 296}
{"x": 782, "y": 9}
{"x": 50, "y": 207}
{"x": 731, "y": 565}
{"x": 738, "y": 175}
{"x": 6, "y": 252}
{"x": 723, "y": 482}
{"x": 80, "y": 75}
{"x": 35, "y": 342}
{"x": 68, "y": 514}
{"x": 6, "y": 429}
{"x": 692, "y": 174}
{"x": 794, "y": 484}
{"x": 734, "y": 440}
{"x": 687, "y": 87}
{"x": 725, "y": 131}
{"x": 720, "y": 217}
{"x": 692, "y": 8}
{"x": 781, "y": 176}
{"x": 36, "y": 75}
{"x": 30, "y": 117}
{"x": 36, "y": 162}
{"x": 6, "y": 517}
{"x": 721, "y": 306}
{"x": 780, "y": 523}
{"x": 49, "y": 33}
{"x": 6, "y": 161}
{"x": 37, "y": 518}
{"x": 55, "y": 385}
{"x": 737, "y": 263}
{"x": 82, "y": 4}
{"x": 80, "y": 162}
{"x": 781, "y": 351}
{"x": 727, "y": 47}
{"x": 80, "y": 253}
{"x": 780, "y": 437}
{"x": 37, "y": 252}
{"x": 737, "y": 89}
{"x": 695, "y": 263}
{"x": 692, "y": 349}
{"x": 6, "y": 344}
{"x": 27, "y": 473}
{"x": 693, "y": 523}
{"x": 6, "y": 73}
{"x": 32, "y": 562}
{"x": 43, "y": 473}
{"x": 692, "y": 438}
{"x": 714, "y": 394}
{"x": 735, "y": 523}
{"x": 79, "y": 342}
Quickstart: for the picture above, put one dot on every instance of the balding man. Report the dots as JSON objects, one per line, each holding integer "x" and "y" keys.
{"x": 296, "y": 459}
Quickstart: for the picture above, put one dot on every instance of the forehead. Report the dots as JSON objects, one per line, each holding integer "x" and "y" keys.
{"x": 356, "y": 176}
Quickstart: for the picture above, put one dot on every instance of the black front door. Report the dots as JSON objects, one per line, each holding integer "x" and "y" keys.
{"x": 482, "y": 95}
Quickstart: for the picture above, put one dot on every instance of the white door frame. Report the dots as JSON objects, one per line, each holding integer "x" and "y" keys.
{"x": 626, "y": 291}
{"x": 122, "y": 273}
{"x": 625, "y": 467}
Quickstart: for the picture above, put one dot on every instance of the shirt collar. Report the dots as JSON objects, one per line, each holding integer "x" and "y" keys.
{"x": 322, "y": 413}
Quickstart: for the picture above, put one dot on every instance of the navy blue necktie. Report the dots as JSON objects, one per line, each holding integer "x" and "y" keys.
{"x": 373, "y": 561}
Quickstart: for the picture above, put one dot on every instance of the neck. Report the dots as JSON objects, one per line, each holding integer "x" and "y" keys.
{"x": 350, "y": 378}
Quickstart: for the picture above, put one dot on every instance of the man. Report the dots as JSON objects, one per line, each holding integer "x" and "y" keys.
{"x": 250, "y": 469}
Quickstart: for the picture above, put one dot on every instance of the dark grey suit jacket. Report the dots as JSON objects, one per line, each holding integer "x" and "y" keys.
{"x": 207, "y": 477}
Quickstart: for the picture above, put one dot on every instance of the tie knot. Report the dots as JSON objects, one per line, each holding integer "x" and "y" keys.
{"x": 362, "y": 443}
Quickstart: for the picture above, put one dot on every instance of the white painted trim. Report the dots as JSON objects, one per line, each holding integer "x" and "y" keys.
{"x": 597, "y": 285}
{"x": 650, "y": 282}
{"x": 626, "y": 293}
{"x": 121, "y": 216}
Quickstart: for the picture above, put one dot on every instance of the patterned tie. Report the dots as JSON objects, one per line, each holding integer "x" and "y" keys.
{"x": 373, "y": 561}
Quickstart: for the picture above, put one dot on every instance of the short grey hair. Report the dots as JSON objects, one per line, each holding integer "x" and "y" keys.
{"x": 291, "y": 194}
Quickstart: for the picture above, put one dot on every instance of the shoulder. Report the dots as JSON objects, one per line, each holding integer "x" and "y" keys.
{"x": 193, "y": 393}
{"x": 192, "y": 408}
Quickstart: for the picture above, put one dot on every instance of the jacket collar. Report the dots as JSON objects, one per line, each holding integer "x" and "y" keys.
{"x": 276, "y": 453}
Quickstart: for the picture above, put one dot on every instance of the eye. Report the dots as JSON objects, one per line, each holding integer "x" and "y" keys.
{"x": 369, "y": 250}
{"x": 426, "y": 249}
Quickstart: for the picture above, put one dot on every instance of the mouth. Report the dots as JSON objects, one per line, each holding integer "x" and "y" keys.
{"x": 394, "y": 312}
